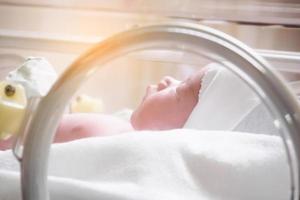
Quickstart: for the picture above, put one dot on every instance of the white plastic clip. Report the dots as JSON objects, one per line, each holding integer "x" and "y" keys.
{"x": 19, "y": 139}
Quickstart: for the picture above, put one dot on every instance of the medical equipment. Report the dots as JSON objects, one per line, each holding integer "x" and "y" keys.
{"x": 265, "y": 13}
{"x": 192, "y": 38}
{"x": 31, "y": 80}
{"x": 12, "y": 105}
{"x": 84, "y": 103}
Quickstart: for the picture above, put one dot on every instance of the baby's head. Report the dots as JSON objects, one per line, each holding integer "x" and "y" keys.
{"x": 213, "y": 98}
{"x": 168, "y": 104}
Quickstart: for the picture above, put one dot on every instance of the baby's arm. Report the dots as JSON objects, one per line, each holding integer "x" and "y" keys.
{"x": 76, "y": 126}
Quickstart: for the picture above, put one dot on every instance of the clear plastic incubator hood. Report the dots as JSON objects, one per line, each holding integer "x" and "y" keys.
{"x": 190, "y": 38}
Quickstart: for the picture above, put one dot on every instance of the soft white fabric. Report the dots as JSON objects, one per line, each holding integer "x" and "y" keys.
{"x": 36, "y": 75}
{"x": 227, "y": 103}
{"x": 177, "y": 164}
{"x": 258, "y": 120}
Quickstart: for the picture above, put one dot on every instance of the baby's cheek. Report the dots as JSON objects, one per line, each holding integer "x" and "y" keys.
{"x": 187, "y": 108}
{"x": 140, "y": 118}
{"x": 134, "y": 120}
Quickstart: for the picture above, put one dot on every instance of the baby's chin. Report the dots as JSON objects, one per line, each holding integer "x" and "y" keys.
{"x": 143, "y": 119}
{"x": 139, "y": 124}
{"x": 134, "y": 120}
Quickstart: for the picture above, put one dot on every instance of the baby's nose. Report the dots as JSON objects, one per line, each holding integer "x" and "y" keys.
{"x": 170, "y": 80}
{"x": 167, "y": 81}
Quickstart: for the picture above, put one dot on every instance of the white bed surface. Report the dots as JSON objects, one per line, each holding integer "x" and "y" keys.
{"x": 177, "y": 164}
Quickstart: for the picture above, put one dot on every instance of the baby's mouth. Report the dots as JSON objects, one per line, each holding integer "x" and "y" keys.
{"x": 151, "y": 89}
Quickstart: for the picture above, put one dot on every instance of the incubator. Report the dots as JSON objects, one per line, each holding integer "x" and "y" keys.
{"x": 172, "y": 39}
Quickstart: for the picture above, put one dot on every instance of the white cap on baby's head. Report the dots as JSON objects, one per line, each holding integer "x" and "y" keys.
{"x": 225, "y": 103}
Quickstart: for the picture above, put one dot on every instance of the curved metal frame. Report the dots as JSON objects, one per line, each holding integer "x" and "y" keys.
{"x": 181, "y": 36}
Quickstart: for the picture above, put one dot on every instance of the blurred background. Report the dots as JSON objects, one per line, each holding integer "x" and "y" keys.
{"x": 62, "y": 30}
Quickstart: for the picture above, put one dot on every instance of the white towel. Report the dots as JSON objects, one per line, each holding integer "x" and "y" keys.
{"x": 227, "y": 103}
{"x": 223, "y": 100}
{"x": 177, "y": 164}
{"x": 258, "y": 120}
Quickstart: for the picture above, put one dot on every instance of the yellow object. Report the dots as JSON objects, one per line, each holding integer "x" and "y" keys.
{"x": 86, "y": 104}
{"x": 12, "y": 108}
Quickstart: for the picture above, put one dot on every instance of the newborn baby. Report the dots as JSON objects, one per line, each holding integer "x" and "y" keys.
{"x": 213, "y": 98}
{"x": 166, "y": 105}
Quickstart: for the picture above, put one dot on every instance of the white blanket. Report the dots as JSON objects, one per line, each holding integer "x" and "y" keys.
{"x": 178, "y": 164}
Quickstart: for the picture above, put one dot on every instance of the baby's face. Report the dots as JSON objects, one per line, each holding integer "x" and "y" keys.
{"x": 168, "y": 104}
